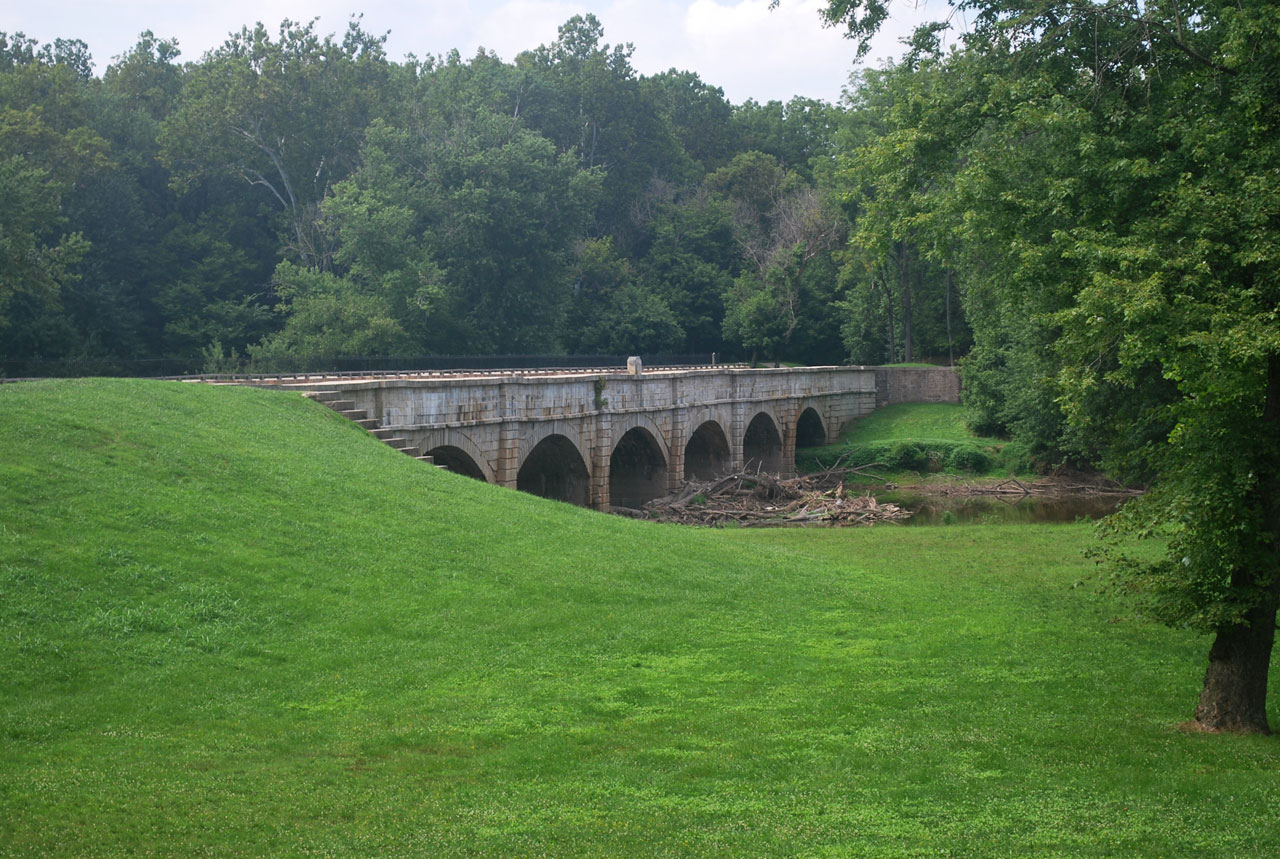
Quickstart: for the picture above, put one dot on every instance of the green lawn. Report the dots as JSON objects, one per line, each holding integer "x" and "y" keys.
{"x": 233, "y": 624}
{"x": 910, "y": 439}
{"x": 914, "y": 422}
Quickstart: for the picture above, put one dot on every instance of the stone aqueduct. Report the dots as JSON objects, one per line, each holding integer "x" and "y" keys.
{"x": 614, "y": 438}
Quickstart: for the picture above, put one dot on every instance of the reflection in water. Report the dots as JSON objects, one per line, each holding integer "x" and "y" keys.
{"x": 945, "y": 510}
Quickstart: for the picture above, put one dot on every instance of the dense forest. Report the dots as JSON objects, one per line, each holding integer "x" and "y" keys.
{"x": 295, "y": 196}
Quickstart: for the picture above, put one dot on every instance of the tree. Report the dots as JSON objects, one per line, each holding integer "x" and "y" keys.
{"x": 798, "y": 133}
{"x": 698, "y": 113}
{"x": 904, "y": 130}
{"x": 47, "y": 149}
{"x": 612, "y": 312}
{"x": 466, "y": 225}
{"x": 328, "y": 317}
{"x": 285, "y": 115}
{"x": 33, "y": 269}
{"x": 785, "y": 230}
{"x": 1122, "y": 183}
{"x": 690, "y": 260}
{"x": 585, "y": 97}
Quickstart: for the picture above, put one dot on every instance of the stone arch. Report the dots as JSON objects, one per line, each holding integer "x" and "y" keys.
{"x": 707, "y": 453}
{"x": 462, "y": 446}
{"x": 762, "y": 444}
{"x": 457, "y": 460}
{"x": 811, "y": 430}
{"x": 623, "y": 424}
{"x": 542, "y": 430}
{"x": 637, "y": 469}
{"x": 554, "y": 468}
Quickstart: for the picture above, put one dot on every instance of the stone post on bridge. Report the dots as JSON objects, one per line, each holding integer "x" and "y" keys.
{"x": 739, "y": 431}
{"x": 507, "y": 470}
{"x": 788, "y": 414}
{"x": 675, "y": 444}
{"x": 601, "y": 450}
{"x": 679, "y": 435}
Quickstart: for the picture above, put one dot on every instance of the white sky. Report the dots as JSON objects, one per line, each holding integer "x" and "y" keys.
{"x": 738, "y": 45}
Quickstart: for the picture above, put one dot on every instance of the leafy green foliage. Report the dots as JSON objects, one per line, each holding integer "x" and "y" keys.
{"x": 284, "y": 115}
{"x": 787, "y": 234}
{"x": 898, "y": 145}
{"x": 328, "y": 316}
{"x": 435, "y": 205}
{"x": 584, "y": 96}
{"x": 612, "y": 313}
{"x": 969, "y": 458}
{"x": 476, "y": 218}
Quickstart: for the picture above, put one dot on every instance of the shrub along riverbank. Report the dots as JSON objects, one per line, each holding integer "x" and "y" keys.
{"x": 233, "y": 623}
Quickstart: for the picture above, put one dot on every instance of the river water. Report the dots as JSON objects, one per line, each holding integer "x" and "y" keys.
{"x": 1004, "y": 509}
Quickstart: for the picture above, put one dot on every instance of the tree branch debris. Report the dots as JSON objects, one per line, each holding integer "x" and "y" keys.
{"x": 765, "y": 500}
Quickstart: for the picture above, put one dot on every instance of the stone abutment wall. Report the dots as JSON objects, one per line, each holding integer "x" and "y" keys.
{"x": 916, "y": 385}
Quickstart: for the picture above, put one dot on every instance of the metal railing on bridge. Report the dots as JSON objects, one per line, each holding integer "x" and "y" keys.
{"x": 342, "y": 365}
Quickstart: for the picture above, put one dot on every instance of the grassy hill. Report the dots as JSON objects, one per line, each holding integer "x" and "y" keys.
{"x": 232, "y": 623}
{"x": 910, "y": 439}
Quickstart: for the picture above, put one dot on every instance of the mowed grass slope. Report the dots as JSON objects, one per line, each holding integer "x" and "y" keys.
{"x": 232, "y": 623}
{"x": 923, "y": 422}
{"x": 908, "y": 439}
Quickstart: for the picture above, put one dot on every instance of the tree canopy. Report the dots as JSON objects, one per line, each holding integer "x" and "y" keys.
{"x": 294, "y": 195}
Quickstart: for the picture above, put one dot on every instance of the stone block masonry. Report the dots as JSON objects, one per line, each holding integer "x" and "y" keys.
{"x": 916, "y": 385}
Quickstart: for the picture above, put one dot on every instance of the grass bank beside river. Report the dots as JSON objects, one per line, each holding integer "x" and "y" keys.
{"x": 912, "y": 440}
{"x": 234, "y": 624}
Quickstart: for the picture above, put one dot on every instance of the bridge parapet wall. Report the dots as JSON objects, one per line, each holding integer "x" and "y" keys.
{"x": 451, "y": 402}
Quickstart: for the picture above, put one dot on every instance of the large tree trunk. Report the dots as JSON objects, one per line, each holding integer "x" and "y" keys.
{"x": 890, "y": 328}
{"x": 951, "y": 354}
{"x": 905, "y": 269}
{"x": 1234, "y": 697}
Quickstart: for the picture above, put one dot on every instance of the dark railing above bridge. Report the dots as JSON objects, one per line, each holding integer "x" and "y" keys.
{"x": 344, "y": 365}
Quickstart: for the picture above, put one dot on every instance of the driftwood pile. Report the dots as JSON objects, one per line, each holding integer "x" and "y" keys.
{"x": 764, "y": 500}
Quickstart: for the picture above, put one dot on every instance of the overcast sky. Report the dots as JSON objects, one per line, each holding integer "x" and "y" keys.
{"x": 738, "y": 45}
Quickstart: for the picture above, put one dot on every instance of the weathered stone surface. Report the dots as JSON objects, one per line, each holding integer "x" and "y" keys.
{"x": 916, "y": 385}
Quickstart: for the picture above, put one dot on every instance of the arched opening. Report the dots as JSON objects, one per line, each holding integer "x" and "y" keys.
{"x": 637, "y": 470}
{"x": 809, "y": 430}
{"x": 707, "y": 454}
{"x": 554, "y": 469}
{"x": 762, "y": 445}
{"x": 457, "y": 460}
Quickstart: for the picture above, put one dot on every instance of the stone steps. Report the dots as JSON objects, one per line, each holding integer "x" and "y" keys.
{"x": 360, "y": 417}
